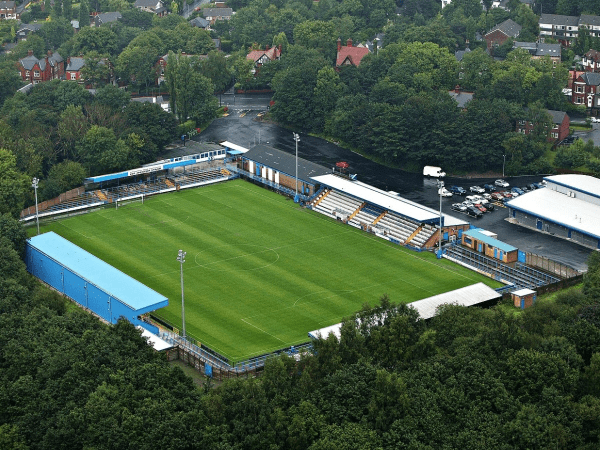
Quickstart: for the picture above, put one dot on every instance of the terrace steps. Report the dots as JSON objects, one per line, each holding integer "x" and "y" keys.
{"x": 101, "y": 195}
{"x": 169, "y": 183}
{"x": 320, "y": 199}
{"x": 379, "y": 218}
{"x": 410, "y": 238}
{"x": 351, "y": 216}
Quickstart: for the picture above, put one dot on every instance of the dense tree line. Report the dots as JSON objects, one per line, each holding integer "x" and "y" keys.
{"x": 469, "y": 378}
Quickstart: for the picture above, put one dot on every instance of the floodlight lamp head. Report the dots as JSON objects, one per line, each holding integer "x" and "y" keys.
{"x": 34, "y": 183}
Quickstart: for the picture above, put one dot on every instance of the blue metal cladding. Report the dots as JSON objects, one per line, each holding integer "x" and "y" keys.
{"x": 66, "y": 281}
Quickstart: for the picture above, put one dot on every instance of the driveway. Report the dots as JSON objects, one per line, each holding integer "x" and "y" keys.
{"x": 594, "y": 134}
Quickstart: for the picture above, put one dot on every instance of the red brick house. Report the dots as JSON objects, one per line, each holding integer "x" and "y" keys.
{"x": 73, "y": 69}
{"x": 586, "y": 91}
{"x": 349, "y": 55}
{"x": 8, "y": 10}
{"x": 501, "y": 33}
{"x": 560, "y": 126}
{"x": 34, "y": 70}
{"x": 591, "y": 61}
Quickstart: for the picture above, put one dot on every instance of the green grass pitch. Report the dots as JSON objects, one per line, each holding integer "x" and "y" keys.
{"x": 260, "y": 271}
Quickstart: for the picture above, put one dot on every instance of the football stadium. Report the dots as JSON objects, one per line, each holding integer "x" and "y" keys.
{"x": 261, "y": 271}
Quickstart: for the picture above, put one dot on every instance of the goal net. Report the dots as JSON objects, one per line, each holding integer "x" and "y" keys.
{"x": 120, "y": 202}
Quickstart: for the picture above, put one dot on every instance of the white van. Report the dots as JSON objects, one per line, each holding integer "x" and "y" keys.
{"x": 432, "y": 171}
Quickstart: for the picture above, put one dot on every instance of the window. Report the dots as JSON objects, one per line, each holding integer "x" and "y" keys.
{"x": 578, "y": 100}
{"x": 72, "y": 76}
{"x": 36, "y": 73}
{"x": 554, "y": 135}
{"x": 27, "y": 73}
{"x": 579, "y": 89}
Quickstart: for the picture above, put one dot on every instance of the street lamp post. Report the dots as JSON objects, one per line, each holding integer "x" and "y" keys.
{"x": 503, "y": 162}
{"x": 34, "y": 185}
{"x": 181, "y": 259}
{"x": 297, "y": 139}
{"x": 441, "y": 188}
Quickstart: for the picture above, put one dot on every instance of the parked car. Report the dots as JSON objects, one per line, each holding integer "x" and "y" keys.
{"x": 517, "y": 191}
{"x": 433, "y": 171}
{"x": 532, "y": 187}
{"x": 489, "y": 187}
{"x": 539, "y": 185}
{"x": 444, "y": 192}
{"x": 501, "y": 183}
{"x": 457, "y": 190}
{"x": 459, "y": 207}
{"x": 595, "y": 119}
{"x": 472, "y": 211}
{"x": 489, "y": 207}
{"x": 477, "y": 189}
{"x": 480, "y": 207}
{"x": 525, "y": 189}
{"x": 506, "y": 194}
{"x": 487, "y": 196}
{"x": 497, "y": 196}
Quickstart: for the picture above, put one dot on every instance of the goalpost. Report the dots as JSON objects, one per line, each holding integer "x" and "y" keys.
{"x": 127, "y": 200}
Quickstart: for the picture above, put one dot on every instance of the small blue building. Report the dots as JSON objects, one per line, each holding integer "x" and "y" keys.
{"x": 89, "y": 281}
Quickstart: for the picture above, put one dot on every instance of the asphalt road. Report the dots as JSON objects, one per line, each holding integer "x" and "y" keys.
{"x": 242, "y": 128}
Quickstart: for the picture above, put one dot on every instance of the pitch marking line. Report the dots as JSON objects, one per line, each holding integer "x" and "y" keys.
{"x": 260, "y": 329}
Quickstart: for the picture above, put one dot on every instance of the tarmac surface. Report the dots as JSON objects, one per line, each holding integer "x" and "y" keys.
{"x": 242, "y": 127}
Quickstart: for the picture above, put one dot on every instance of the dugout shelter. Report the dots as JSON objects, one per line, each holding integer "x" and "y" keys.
{"x": 89, "y": 281}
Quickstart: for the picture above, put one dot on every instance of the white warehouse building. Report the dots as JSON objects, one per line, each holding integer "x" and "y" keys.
{"x": 569, "y": 207}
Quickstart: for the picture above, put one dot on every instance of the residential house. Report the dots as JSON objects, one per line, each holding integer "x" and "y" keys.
{"x": 502, "y": 4}
{"x": 7, "y": 48}
{"x": 8, "y": 10}
{"x": 591, "y": 61}
{"x": 217, "y": 43}
{"x": 265, "y": 56}
{"x": 586, "y": 91}
{"x": 461, "y": 97}
{"x": 375, "y": 43}
{"x": 539, "y": 50}
{"x": 107, "y": 18}
{"x": 529, "y": 3}
{"x": 152, "y": 6}
{"x": 460, "y": 54}
{"x": 560, "y": 126}
{"x": 26, "y": 29}
{"x": 501, "y": 33}
{"x": 73, "y": 69}
{"x": 566, "y": 28}
{"x": 200, "y": 22}
{"x": 36, "y": 70}
{"x": 214, "y": 14}
{"x": 348, "y": 55}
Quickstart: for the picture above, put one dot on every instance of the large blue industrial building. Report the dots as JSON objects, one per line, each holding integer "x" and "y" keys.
{"x": 91, "y": 282}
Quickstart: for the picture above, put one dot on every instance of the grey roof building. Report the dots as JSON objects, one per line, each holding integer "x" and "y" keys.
{"x": 200, "y": 22}
{"x": 539, "y": 49}
{"x": 107, "y": 17}
{"x": 509, "y": 27}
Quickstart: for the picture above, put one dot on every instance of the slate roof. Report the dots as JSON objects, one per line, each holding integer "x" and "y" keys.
{"x": 557, "y": 116}
{"x": 29, "y": 61}
{"x": 461, "y": 98}
{"x": 152, "y": 4}
{"x": 217, "y": 12}
{"x": 585, "y": 19}
{"x": 285, "y": 162}
{"x": 593, "y": 54}
{"x": 199, "y": 22}
{"x": 509, "y": 27}
{"x": 459, "y": 54}
{"x": 75, "y": 64}
{"x": 108, "y": 17}
{"x": 557, "y": 19}
{"x": 591, "y": 78}
{"x": 354, "y": 54}
{"x": 539, "y": 49}
{"x": 31, "y": 27}
{"x": 7, "y": 5}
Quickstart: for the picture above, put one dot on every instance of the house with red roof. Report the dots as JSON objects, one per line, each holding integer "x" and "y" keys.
{"x": 265, "y": 56}
{"x": 349, "y": 55}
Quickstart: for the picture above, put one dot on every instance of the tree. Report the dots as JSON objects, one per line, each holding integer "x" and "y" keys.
{"x": 215, "y": 67}
{"x": 96, "y": 69}
{"x": 11, "y": 229}
{"x": 192, "y": 91}
{"x": 57, "y": 31}
{"x": 112, "y": 97}
{"x": 326, "y": 94}
{"x": 72, "y": 126}
{"x": 12, "y": 185}
{"x": 84, "y": 14}
{"x": 63, "y": 177}
{"x": 152, "y": 121}
{"x": 137, "y": 64}
{"x": 316, "y": 34}
{"x": 99, "y": 39}
{"x": 9, "y": 81}
{"x": 67, "y": 10}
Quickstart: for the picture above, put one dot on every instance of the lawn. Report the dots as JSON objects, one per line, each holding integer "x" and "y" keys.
{"x": 260, "y": 271}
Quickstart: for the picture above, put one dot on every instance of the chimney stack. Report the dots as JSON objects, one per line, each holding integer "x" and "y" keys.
{"x": 29, "y": 52}
{"x": 457, "y": 89}
{"x": 349, "y": 43}
{"x": 339, "y": 42}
